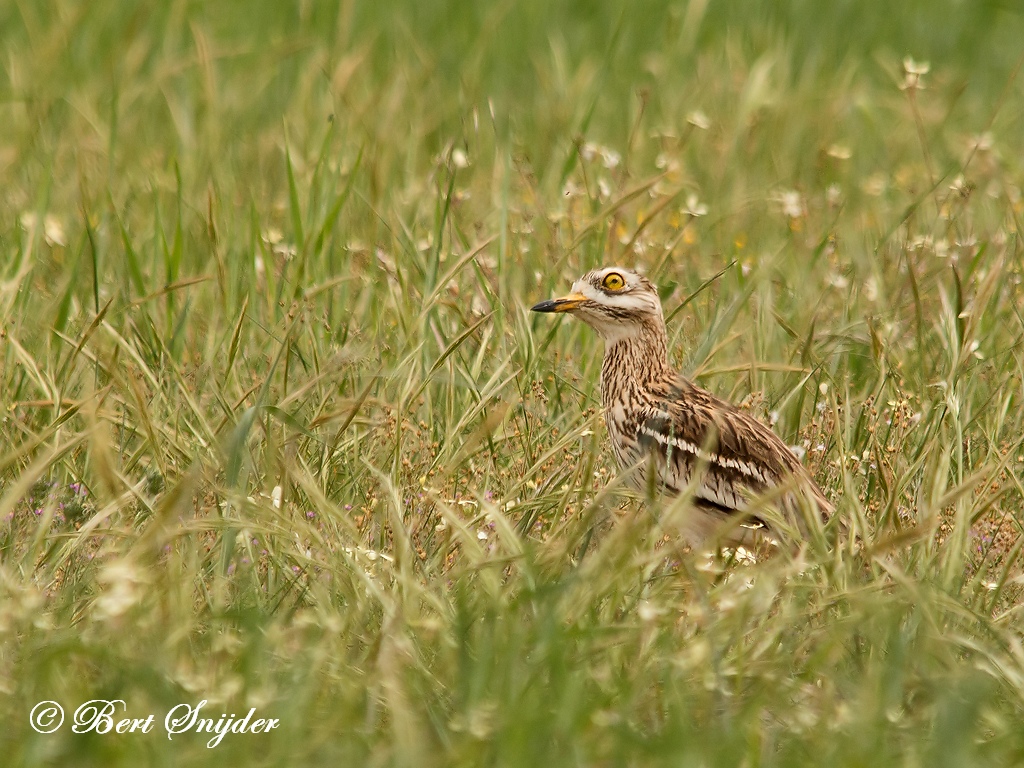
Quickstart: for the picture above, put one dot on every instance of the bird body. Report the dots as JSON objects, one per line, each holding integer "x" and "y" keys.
{"x": 658, "y": 419}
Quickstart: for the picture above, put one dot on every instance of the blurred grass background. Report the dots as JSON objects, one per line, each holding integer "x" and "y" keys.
{"x": 279, "y": 432}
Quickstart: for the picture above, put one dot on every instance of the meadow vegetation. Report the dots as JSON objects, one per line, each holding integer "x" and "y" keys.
{"x": 277, "y": 429}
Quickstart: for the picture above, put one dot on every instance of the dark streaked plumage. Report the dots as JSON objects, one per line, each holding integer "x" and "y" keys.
{"x": 655, "y": 414}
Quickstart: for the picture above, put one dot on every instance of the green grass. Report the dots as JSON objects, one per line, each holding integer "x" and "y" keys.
{"x": 278, "y": 430}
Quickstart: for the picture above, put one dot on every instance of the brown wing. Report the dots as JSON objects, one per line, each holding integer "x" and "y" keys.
{"x": 740, "y": 457}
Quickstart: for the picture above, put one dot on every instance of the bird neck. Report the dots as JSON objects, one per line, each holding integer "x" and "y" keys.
{"x": 635, "y": 360}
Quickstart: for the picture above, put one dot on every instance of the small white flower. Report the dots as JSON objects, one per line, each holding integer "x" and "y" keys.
{"x": 918, "y": 68}
{"x": 871, "y": 289}
{"x": 648, "y": 611}
{"x": 744, "y": 555}
{"x": 914, "y": 71}
{"x": 983, "y": 142}
{"x": 875, "y": 185}
{"x": 667, "y": 163}
{"x": 610, "y": 158}
{"x": 838, "y": 281}
{"x": 792, "y": 203}
{"x": 271, "y": 236}
{"x": 695, "y": 207}
{"x": 698, "y": 119}
{"x": 459, "y": 159}
{"x": 571, "y": 189}
{"x": 288, "y": 250}
{"x": 53, "y": 231}
{"x": 386, "y": 262}
{"x": 839, "y": 152}
{"x": 834, "y": 195}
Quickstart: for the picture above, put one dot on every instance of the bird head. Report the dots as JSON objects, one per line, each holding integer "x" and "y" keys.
{"x": 618, "y": 303}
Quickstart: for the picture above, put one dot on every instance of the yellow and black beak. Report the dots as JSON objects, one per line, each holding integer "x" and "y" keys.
{"x": 564, "y": 304}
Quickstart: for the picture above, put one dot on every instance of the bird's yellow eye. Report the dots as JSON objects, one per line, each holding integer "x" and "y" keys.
{"x": 613, "y": 282}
